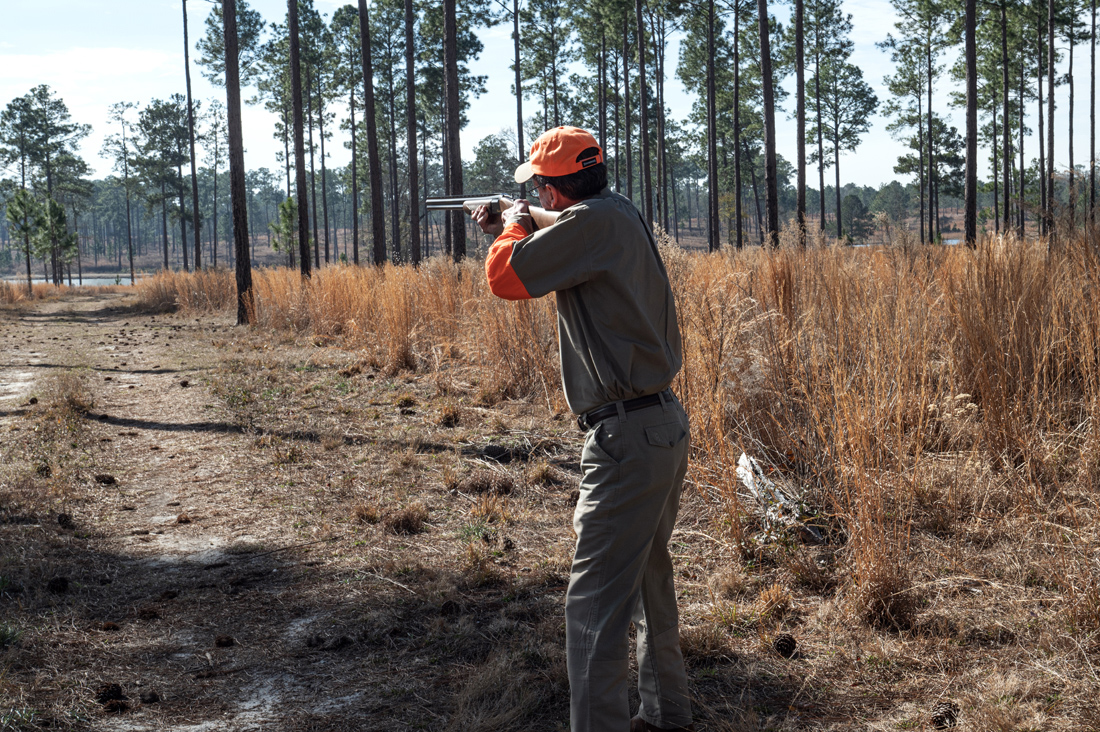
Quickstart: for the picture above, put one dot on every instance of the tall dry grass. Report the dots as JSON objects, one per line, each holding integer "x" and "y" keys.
{"x": 894, "y": 389}
{"x": 13, "y": 292}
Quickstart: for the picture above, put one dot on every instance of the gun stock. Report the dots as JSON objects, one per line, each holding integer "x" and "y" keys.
{"x": 497, "y": 204}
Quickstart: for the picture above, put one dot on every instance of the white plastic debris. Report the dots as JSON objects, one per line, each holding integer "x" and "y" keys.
{"x": 777, "y": 509}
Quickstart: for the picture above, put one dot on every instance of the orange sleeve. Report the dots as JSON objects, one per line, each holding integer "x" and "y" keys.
{"x": 503, "y": 280}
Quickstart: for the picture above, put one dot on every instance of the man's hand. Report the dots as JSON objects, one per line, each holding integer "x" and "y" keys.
{"x": 519, "y": 213}
{"x": 491, "y": 224}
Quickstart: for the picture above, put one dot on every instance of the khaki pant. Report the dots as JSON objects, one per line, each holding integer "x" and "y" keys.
{"x": 633, "y": 466}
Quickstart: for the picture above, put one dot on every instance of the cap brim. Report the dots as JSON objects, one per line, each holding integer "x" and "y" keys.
{"x": 524, "y": 172}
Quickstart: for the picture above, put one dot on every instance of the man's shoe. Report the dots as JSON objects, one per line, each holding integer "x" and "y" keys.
{"x": 640, "y": 725}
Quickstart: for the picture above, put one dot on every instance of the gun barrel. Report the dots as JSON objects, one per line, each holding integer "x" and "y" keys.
{"x": 463, "y": 203}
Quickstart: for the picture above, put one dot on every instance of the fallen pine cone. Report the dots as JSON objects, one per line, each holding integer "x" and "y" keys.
{"x": 945, "y": 714}
{"x": 108, "y": 692}
{"x": 784, "y": 644}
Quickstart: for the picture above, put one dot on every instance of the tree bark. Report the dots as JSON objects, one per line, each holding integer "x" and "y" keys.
{"x": 520, "y": 148}
{"x": 931, "y": 152}
{"x": 626, "y": 112}
{"x": 643, "y": 117}
{"x": 378, "y": 221}
{"x": 738, "y": 235}
{"x": 191, "y": 140}
{"x": 454, "y": 112}
{"x": 410, "y": 134}
{"x": 299, "y": 134}
{"x": 820, "y": 133}
{"x": 354, "y": 183}
{"x": 970, "y": 185}
{"x": 1072, "y": 190}
{"x": 713, "y": 222}
{"x": 395, "y": 197}
{"x": 237, "y": 191}
{"x": 1052, "y": 82}
{"x": 1042, "y": 150}
{"x": 324, "y": 171}
{"x": 1006, "y": 142}
{"x": 312, "y": 168}
{"x": 1092, "y": 121}
{"x": 800, "y": 113}
{"x": 771, "y": 188}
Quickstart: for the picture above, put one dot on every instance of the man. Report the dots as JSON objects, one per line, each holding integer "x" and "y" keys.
{"x": 620, "y": 350}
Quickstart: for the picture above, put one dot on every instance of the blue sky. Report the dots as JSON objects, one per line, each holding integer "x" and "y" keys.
{"x": 94, "y": 53}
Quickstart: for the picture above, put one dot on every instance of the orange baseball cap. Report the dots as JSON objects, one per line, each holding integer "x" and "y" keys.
{"x": 558, "y": 152}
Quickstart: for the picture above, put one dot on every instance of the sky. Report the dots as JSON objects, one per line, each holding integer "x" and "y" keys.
{"x": 94, "y": 53}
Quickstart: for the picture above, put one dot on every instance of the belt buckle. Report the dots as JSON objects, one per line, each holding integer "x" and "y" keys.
{"x": 582, "y": 423}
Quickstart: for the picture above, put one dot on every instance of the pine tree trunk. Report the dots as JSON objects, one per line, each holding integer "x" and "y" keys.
{"x": 1022, "y": 190}
{"x": 520, "y": 148}
{"x": 410, "y": 133}
{"x": 931, "y": 151}
{"x": 299, "y": 142}
{"x": 738, "y": 215}
{"x": 454, "y": 113}
{"x": 324, "y": 172}
{"x": 191, "y": 141}
{"x": 970, "y": 185}
{"x": 996, "y": 167}
{"x": 800, "y": 113}
{"x": 1092, "y": 121}
{"x": 713, "y": 223}
{"x": 1052, "y": 82}
{"x": 378, "y": 221}
{"x": 820, "y": 133}
{"x": 1042, "y": 150}
{"x": 1006, "y": 143}
{"x": 920, "y": 164}
{"x": 237, "y": 190}
{"x": 1072, "y": 189}
{"x": 354, "y": 183}
{"x": 312, "y": 169}
{"x": 626, "y": 113}
{"x": 836, "y": 166}
{"x": 395, "y": 196}
{"x": 771, "y": 186}
{"x": 643, "y": 118}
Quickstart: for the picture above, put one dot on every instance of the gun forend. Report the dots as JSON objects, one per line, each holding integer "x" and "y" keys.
{"x": 495, "y": 202}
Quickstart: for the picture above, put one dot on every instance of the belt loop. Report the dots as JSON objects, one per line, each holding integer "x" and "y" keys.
{"x": 621, "y": 410}
{"x": 663, "y": 395}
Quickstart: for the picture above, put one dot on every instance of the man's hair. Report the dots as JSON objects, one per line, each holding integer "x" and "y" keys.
{"x": 584, "y": 183}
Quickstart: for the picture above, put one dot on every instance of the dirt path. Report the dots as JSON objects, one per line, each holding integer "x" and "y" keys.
{"x": 196, "y": 581}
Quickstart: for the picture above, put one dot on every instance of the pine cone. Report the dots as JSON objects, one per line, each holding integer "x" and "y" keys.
{"x": 784, "y": 644}
{"x": 945, "y": 714}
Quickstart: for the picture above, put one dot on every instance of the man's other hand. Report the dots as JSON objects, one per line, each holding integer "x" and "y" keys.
{"x": 491, "y": 224}
{"x": 519, "y": 213}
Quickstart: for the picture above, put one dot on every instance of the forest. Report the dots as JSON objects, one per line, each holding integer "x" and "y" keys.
{"x": 710, "y": 179}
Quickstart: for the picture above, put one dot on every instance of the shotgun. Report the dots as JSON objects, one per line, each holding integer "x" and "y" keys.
{"x": 496, "y": 203}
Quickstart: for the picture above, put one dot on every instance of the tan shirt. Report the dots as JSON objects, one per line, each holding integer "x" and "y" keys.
{"x": 617, "y": 324}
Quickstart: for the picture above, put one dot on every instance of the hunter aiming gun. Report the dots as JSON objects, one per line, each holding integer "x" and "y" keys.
{"x": 495, "y": 202}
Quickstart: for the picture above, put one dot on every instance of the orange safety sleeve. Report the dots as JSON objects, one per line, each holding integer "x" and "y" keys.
{"x": 503, "y": 280}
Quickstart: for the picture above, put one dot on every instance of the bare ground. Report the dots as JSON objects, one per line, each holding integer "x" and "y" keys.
{"x": 248, "y": 532}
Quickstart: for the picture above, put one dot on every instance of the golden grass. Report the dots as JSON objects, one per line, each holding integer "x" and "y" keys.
{"x": 898, "y": 390}
{"x": 13, "y": 292}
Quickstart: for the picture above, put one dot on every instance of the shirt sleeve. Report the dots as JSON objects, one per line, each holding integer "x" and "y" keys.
{"x": 521, "y": 266}
{"x": 503, "y": 281}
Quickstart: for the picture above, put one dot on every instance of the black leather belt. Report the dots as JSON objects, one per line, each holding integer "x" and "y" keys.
{"x": 588, "y": 420}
